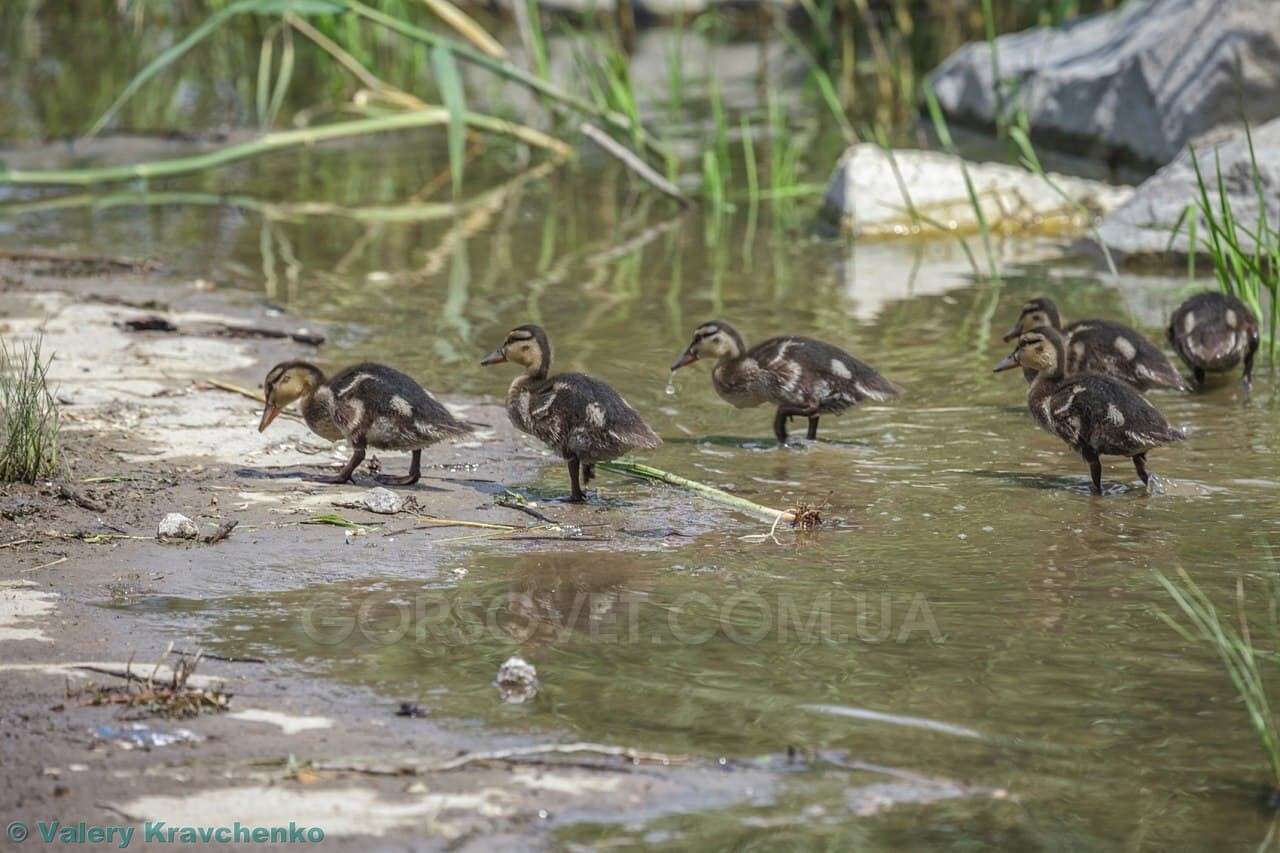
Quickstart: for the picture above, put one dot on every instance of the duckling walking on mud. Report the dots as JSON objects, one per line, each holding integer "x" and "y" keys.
{"x": 801, "y": 376}
{"x": 1103, "y": 347}
{"x": 1095, "y": 415}
{"x": 1213, "y": 332}
{"x": 578, "y": 416}
{"x": 370, "y": 405}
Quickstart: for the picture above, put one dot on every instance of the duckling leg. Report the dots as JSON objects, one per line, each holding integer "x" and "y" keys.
{"x": 344, "y": 476}
{"x": 1198, "y": 373}
{"x": 813, "y": 427}
{"x": 780, "y": 426}
{"x": 575, "y": 491}
{"x": 1140, "y": 463}
{"x": 415, "y": 472}
{"x": 1095, "y": 468}
{"x": 588, "y": 472}
{"x": 1248, "y": 365}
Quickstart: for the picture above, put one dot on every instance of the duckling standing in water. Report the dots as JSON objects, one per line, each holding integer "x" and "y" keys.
{"x": 578, "y": 416}
{"x": 1095, "y": 415}
{"x": 1213, "y": 332}
{"x": 1103, "y": 347}
{"x": 801, "y": 376}
{"x": 370, "y": 405}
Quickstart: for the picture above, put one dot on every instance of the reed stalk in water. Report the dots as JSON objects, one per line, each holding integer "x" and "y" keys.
{"x": 647, "y": 472}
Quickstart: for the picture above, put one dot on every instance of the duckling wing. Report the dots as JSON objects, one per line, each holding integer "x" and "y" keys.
{"x": 582, "y": 416}
{"x": 389, "y": 409}
{"x": 1106, "y": 414}
{"x": 814, "y": 374}
{"x": 1117, "y": 350}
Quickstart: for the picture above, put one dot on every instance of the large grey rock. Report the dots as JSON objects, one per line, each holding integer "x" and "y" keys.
{"x": 1142, "y": 81}
{"x": 1140, "y": 229}
{"x": 874, "y": 194}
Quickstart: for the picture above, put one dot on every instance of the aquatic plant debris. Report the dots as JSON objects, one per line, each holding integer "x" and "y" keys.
{"x": 648, "y": 472}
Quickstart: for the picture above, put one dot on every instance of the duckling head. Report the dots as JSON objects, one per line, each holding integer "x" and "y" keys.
{"x": 286, "y": 382}
{"x": 527, "y": 346}
{"x": 1040, "y": 349}
{"x": 716, "y": 339}
{"x": 1040, "y": 311}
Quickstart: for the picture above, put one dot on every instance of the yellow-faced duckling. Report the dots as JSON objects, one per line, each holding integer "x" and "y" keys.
{"x": 578, "y": 416}
{"x": 370, "y": 405}
{"x": 1103, "y": 347}
{"x": 1213, "y": 332}
{"x": 1095, "y": 415}
{"x": 801, "y": 376}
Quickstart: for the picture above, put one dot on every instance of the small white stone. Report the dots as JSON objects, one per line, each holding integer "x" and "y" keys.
{"x": 175, "y": 525}
{"x": 382, "y": 501}
{"x": 517, "y": 681}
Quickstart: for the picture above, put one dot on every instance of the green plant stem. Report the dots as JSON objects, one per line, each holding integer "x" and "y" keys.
{"x": 275, "y": 142}
{"x": 647, "y": 472}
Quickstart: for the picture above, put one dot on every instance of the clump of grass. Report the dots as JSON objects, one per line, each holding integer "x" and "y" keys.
{"x": 1243, "y": 270}
{"x": 1240, "y": 658}
{"x": 28, "y": 415}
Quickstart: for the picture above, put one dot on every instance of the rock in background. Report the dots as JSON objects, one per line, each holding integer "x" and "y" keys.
{"x": 1141, "y": 82}
{"x": 1140, "y": 229}
{"x": 873, "y": 194}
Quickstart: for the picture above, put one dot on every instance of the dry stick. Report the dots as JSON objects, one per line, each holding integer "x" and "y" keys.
{"x": 349, "y": 62}
{"x": 634, "y": 755}
{"x": 107, "y": 260}
{"x": 16, "y": 543}
{"x": 245, "y": 392}
{"x": 518, "y": 507}
{"x": 629, "y": 159}
{"x": 227, "y": 659}
{"x": 48, "y": 565}
{"x": 464, "y": 24}
{"x": 647, "y": 472}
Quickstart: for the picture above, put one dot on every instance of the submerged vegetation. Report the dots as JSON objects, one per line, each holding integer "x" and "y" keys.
{"x": 28, "y": 415}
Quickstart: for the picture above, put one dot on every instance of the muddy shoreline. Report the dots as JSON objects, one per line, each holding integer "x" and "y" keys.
{"x": 144, "y": 435}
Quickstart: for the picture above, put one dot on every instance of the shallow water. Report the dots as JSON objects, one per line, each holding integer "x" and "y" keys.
{"x": 970, "y": 613}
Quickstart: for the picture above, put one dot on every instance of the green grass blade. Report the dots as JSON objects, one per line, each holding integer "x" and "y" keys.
{"x": 455, "y": 101}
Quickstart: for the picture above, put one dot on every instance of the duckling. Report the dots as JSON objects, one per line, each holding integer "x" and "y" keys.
{"x": 1094, "y": 414}
{"x": 1213, "y": 332}
{"x": 578, "y": 416}
{"x": 1103, "y": 347}
{"x": 801, "y": 376}
{"x": 370, "y": 405}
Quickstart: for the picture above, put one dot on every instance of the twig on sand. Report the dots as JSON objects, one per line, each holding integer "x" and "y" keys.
{"x": 222, "y": 385}
{"x": 430, "y": 521}
{"x": 635, "y": 756}
{"x": 223, "y": 531}
{"x": 633, "y": 162}
{"x": 517, "y": 755}
{"x": 647, "y": 472}
{"x": 47, "y": 565}
{"x": 133, "y": 264}
{"x": 69, "y": 494}
{"x": 210, "y": 656}
{"x": 15, "y": 543}
{"x": 527, "y": 510}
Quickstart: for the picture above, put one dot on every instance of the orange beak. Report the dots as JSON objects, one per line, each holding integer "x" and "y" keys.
{"x": 268, "y": 415}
